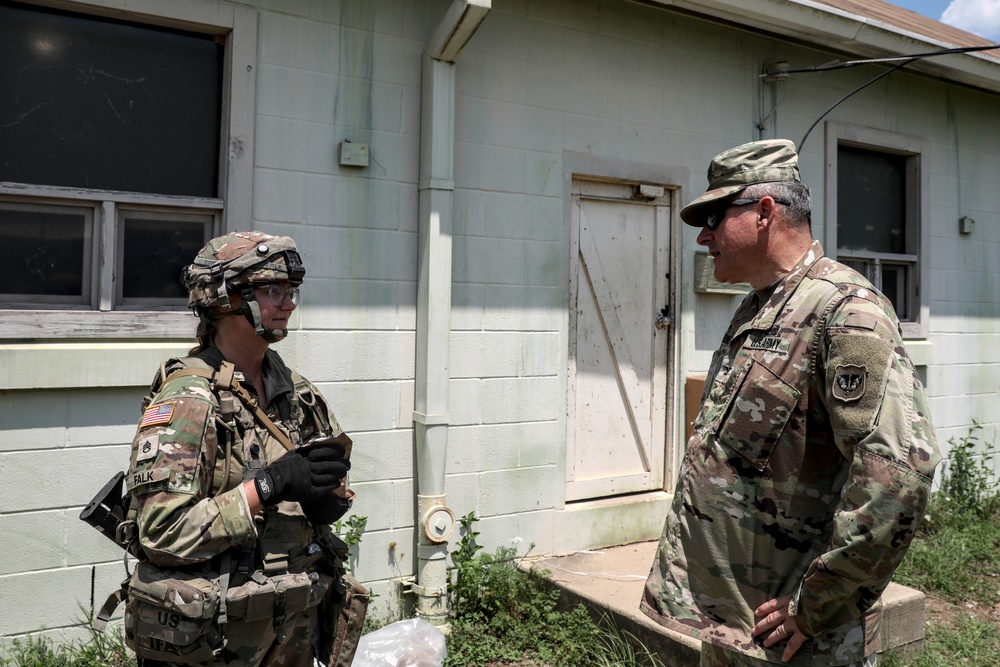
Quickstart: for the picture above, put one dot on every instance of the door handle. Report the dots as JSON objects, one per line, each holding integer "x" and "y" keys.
{"x": 663, "y": 320}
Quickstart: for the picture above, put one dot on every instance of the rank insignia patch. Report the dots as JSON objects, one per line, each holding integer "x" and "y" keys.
{"x": 147, "y": 447}
{"x": 849, "y": 382}
{"x": 157, "y": 414}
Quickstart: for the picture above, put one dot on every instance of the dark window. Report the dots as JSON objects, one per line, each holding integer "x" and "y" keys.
{"x": 47, "y": 253}
{"x": 102, "y": 104}
{"x": 156, "y": 247}
{"x": 877, "y": 204}
{"x": 871, "y": 201}
{"x": 112, "y": 132}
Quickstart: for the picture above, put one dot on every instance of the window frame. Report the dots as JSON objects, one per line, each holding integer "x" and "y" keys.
{"x": 917, "y": 207}
{"x": 215, "y": 17}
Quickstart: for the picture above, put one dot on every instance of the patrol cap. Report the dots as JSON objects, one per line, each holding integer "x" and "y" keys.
{"x": 729, "y": 172}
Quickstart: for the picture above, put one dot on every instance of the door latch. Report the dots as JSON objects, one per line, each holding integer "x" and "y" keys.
{"x": 663, "y": 320}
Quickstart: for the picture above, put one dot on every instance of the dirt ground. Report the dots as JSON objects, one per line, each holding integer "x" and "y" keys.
{"x": 941, "y": 612}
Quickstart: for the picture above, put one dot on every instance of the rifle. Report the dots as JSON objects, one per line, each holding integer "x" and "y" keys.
{"x": 107, "y": 511}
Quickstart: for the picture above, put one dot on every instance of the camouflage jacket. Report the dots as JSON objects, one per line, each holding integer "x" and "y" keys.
{"x": 807, "y": 472}
{"x": 189, "y": 455}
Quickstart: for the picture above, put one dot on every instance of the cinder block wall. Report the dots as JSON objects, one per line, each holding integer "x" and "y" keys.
{"x": 607, "y": 78}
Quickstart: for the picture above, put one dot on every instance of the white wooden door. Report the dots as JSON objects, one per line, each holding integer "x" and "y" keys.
{"x": 619, "y": 285}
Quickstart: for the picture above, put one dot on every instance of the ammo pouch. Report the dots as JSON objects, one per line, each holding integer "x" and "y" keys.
{"x": 277, "y": 596}
{"x": 171, "y": 615}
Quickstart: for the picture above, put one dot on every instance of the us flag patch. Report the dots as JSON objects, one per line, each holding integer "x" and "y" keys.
{"x": 157, "y": 414}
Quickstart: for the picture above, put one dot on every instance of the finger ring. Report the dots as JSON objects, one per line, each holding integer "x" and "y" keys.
{"x": 782, "y": 630}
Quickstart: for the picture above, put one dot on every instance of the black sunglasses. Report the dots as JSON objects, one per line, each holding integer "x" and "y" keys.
{"x": 718, "y": 214}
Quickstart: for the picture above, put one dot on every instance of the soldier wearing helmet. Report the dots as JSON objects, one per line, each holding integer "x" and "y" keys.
{"x": 238, "y": 468}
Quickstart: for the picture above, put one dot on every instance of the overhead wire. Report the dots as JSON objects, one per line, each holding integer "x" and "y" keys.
{"x": 906, "y": 60}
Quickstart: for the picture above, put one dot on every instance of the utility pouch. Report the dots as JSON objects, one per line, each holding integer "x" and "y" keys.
{"x": 171, "y": 615}
{"x": 277, "y": 596}
{"x": 343, "y": 619}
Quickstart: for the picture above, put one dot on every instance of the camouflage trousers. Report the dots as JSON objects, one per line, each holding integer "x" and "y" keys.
{"x": 716, "y": 656}
{"x": 260, "y": 644}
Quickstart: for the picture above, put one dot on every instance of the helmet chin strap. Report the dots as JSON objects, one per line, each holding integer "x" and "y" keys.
{"x": 251, "y": 310}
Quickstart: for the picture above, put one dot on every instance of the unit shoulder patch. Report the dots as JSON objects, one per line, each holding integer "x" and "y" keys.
{"x": 849, "y": 382}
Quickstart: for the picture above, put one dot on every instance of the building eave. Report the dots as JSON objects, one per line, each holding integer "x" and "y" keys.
{"x": 825, "y": 25}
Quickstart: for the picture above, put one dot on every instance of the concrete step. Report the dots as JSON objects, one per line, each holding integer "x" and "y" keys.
{"x": 611, "y": 580}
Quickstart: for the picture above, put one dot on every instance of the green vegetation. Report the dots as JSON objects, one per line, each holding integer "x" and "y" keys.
{"x": 99, "y": 650}
{"x": 501, "y": 613}
{"x": 955, "y": 559}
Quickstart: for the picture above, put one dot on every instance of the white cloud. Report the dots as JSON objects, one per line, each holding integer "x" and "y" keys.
{"x": 980, "y": 17}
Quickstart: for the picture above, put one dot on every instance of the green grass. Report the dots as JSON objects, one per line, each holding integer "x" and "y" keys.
{"x": 955, "y": 557}
{"x": 972, "y": 643}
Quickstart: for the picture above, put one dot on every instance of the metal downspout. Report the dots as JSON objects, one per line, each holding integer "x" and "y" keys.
{"x": 435, "y": 522}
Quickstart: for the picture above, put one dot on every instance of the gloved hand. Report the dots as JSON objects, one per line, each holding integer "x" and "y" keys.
{"x": 302, "y": 475}
{"x": 324, "y": 511}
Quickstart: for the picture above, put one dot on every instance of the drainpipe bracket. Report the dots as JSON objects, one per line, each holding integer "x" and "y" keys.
{"x": 429, "y": 591}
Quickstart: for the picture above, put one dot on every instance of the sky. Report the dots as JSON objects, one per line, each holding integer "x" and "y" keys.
{"x": 980, "y": 17}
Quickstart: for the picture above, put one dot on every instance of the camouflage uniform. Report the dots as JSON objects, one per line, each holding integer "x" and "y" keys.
{"x": 187, "y": 470}
{"x": 196, "y": 445}
{"x": 808, "y": 470}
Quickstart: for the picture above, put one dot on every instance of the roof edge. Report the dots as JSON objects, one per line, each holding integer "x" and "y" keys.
{"x": 831, "y": 27}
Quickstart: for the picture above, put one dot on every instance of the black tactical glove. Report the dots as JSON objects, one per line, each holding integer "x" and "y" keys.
{"x": 304, "y": 474}
{"x": 324, "y": 511}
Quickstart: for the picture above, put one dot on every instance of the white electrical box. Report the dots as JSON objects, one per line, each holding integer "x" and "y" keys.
{"x": 353, "y": 155}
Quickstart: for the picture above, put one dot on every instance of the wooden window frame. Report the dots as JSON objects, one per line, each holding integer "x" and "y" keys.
{"x": 917, "y": 212}
{"x": 99, "y": 319}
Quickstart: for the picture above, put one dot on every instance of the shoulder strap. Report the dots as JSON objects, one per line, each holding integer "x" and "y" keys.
{"x": 225, "y": 378}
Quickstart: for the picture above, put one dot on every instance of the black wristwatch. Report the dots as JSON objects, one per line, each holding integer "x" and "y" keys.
{"x": 264, "y": 486}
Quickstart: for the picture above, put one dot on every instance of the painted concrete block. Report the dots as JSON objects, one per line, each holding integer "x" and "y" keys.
{"x": 298, "y": 43}
{"x": 480, "y": 448}
{"x": 382, "y": 454}
{"x": 518, "y": 490}
{"x": 362, "y": 406}
{"x": 403, "y": 511}
{"x": 29, "y": 480}
{"x": 34, "y": 541}
{"x": 522, "y": 399}
{"x": 467, "y": 303}
{"x": 523, "y": 308}
{"x": 375, "y": 502}
{"x": 466, "y": 401}
{"x": 384, "y": 554}
{"x": 489, "y": 167}
{"x": 49, "y": 599}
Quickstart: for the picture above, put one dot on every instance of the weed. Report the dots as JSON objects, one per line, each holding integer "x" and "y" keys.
{"x": 467, "y": 547}
{"x": 502, "y": 613}
{"x": 100, "y": 650}
{"x": 967, "y": 482}
{"x": 355, "y": 526}
{"x": 615, "y": 647}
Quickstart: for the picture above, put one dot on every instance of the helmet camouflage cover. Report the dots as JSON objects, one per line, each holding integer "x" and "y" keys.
{"x": 233, "y": 261}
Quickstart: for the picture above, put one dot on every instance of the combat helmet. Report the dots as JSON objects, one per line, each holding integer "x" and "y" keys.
{"x": 232, "y": 264}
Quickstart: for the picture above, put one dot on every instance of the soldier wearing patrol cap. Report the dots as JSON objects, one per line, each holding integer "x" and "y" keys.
{"x": 811, "y": 459}
{"x": 238, "y": 468}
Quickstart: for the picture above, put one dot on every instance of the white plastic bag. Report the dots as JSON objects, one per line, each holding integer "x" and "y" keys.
{"x": 410, "y": 643}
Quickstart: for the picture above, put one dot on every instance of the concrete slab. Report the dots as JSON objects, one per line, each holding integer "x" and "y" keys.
{"x": 611, "y": 580}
